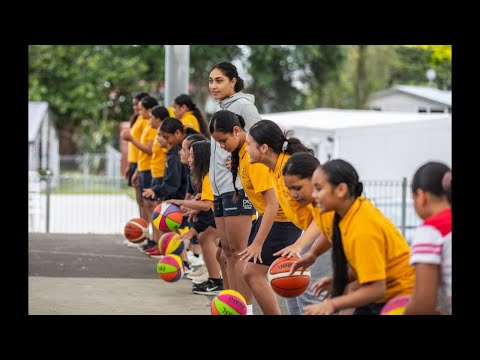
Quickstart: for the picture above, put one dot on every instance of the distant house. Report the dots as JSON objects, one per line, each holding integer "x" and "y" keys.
{"x": 412, "y": 99}
{"x": 43, "y": 146}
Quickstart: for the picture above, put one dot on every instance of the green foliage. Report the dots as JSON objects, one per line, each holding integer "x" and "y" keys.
{"x": 90, "y": 82}
{"x": 283, "y": 75}
{"x": 414, "y": 61}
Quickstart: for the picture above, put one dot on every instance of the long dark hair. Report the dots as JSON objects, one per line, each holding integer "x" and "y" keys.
{"x": 139, "y": 97}
{"x": 171, "y": 125}
{"x": 268, "y": 132}
{"x": 230, "y": 71}
{"x": 224, "y": 121}
{"x": 435, "y": 178}
{"x": 186, "y": 100}
{"x": 201, "y": 161}
{"x": 160, "y": 112}
{"x": 301, "y": 165}
{"x": 340, "y": 171}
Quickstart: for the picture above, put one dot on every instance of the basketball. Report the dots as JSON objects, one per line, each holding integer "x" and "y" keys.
{"x": 170, "y": 244}
{"x": 395, "y": 306}
{"x": 170, "y": 268}
{"x": 167, "y": 217}
{"x": 287, "y": 285}
{"x": 136, "y": 230}
{"x": 229, "y": 302}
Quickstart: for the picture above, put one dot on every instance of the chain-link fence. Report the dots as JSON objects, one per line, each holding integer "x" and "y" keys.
{"x": 93, "y": 197}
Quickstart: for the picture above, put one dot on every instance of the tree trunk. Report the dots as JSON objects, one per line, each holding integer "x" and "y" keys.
{"x": 360, "y": 89}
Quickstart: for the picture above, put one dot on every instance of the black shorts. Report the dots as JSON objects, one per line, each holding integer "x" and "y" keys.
{"x": 131, "y": 169}
{"x": 223, "y": 205}
{"x": 145, "y": 178}
{"x": 281, "y": 235}
{"x": 369, "y": 309}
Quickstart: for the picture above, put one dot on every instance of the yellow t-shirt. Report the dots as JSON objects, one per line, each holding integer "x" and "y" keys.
{"x": 298, "y": 214}
{"x": 375, "y": 249}
{"x": 324, "y": 221}
{"x": 207, "y": 191}
{"x": 171, "y": 112}
{"x": 148, "y": 134}
{"x": 188, "y": 119}
{"x": 136, "y": 131}
{"x": 159, "y": 158}
{"x": 256, "y": 179}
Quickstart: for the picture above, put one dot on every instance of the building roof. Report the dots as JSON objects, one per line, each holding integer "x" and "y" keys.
{"x": 332, "y": 119}
{"x": 442, "y": 97}
{"x": 36, "y": 112}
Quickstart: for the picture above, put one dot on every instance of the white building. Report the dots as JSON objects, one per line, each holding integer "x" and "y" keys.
{"x": 380, "y": 145}
{"x": 43, "y": 145}
{"x": 412, "y": 99}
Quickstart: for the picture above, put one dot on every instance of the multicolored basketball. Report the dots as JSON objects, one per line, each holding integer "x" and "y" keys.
{"x": 167, "y": 217}
{"x": 136, "y": 230}
{"x": 170, "y": 268}
{"x": 287, "y": 285}
{"x": 396, "y": 305}
{"x": 170, "y": 244}
{"x": 229, "y": 302}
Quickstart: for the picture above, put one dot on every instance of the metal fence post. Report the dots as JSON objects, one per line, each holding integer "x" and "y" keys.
{"x": 48, "y": 174}
{"x": 86, "y": 170}
{"x": 404, "y": 206}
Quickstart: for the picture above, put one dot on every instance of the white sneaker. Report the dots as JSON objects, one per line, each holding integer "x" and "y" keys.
{"x": 197, "y": 272}
{"x": 193, "y": 260}
{"x": 200, "y": 279}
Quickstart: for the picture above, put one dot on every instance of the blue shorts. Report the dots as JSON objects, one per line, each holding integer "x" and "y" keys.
{"x": 223, "y": 205}
{"x": 281, "y": 235}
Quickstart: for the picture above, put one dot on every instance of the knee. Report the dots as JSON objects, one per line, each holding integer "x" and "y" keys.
{"x": 249, "y": 275}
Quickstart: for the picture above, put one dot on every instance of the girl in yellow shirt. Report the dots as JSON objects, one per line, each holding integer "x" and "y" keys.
{"x": 367, "y": 247}
{"x": 187, "y": 112}
{"x": 272, "y": 230}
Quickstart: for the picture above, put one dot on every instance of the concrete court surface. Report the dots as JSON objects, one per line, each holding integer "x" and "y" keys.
{"x": 80, "y": 274}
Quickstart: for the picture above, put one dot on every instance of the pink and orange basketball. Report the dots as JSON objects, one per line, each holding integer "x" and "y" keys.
{"x": 170, "y": 244}
{"x": 395, "y": 306}
{"x": 136, "y": 230}
{"x": 167, "y": 217}
{"x": 228, "y": 302}
{"x": 287, "y": 285}
{"x": 170, "y": 268}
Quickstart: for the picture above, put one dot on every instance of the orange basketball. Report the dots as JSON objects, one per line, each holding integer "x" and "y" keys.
{"x": 136, "y": 230}
{"x": 287, "y": 285}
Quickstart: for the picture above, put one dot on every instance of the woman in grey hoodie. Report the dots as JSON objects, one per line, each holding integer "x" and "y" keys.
{"x": 233, "y": 218}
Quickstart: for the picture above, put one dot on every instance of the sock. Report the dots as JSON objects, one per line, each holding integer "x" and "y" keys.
{"x": 249, "y": 309}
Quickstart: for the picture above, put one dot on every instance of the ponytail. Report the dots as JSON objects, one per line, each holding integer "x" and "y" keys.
{"x": 339, "y": 260}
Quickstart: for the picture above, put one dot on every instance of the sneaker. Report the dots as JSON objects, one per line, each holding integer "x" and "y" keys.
{"x": 199, "y": 279}
{"x": 156, "y": 254}
{"x": 193, "y": 260}
{"x": 209, "y": 287}
{"x": 147, "y": 245}
{"x": 199, "y": 271}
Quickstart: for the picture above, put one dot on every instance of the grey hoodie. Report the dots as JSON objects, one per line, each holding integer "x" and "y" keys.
{"x": 220, "y": 177}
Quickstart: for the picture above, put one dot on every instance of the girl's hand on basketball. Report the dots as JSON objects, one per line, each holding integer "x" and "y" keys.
{"x": 253, "y": 251}
{"x": 174, "y": 201}
{"x": 289, "y": 251}
{"x": 321, "y": 286}
{"x": 304, "y": 262}
{"x": 324, "y": 308}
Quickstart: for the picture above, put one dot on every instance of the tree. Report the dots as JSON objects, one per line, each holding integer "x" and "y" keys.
{"x": 284, "y": 75}
{"x": 91, "y": 87}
